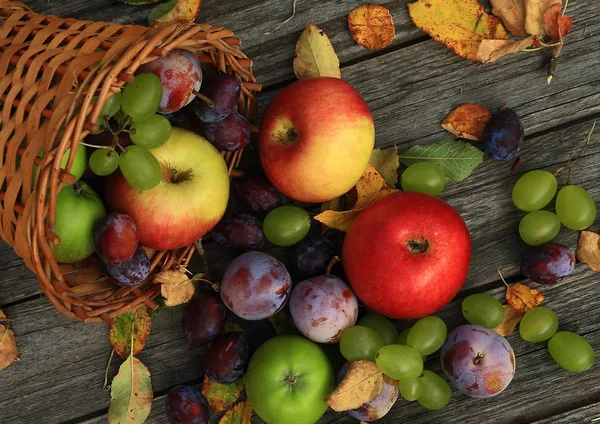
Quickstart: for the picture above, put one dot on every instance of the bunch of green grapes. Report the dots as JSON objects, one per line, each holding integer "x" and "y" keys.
{"x": 134, "y": 109}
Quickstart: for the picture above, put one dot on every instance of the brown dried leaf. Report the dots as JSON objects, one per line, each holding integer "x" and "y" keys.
{"x": 511, "y": 319}
{"x": 362, "y": 383}
{"x": 522, "y": 298}
{"x": 175, "y": 287}
{"x": 183, "y": 11}
{"x": 386, "y": 162}
{"x": 534, "y": 15}
{"x": 371, "y": 26}
{"x": 467, "y": 121}
{"x": 315, "y": 56}
{"x": 492, "y": 50}
{"x": 512, "y": 13}
{"x": 557, "y": 26}
{"x": 588, "y": 250}
{"x": 8, "y": 345}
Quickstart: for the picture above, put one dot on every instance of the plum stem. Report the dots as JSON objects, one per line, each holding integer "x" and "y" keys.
{"x": 205, "y": 99}
{"x": 478, "y": 358}
{"x": 331, "y": 263}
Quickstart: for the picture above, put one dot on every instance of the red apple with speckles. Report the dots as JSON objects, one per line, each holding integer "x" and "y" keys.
{"x": 407, "y": 255}
{"x": 323, "y": 307}
{"x": 255, "y": 286}
{"x": 316, "y": 138}
{"x": 180, "y": 75}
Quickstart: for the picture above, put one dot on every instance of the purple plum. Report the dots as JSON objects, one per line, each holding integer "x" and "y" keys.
{"x": 548, "y": 264}
{"x": 186, "y": 405}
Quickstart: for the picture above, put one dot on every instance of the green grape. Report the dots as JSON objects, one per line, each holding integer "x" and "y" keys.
{"x": 151, "y": 133}
{"x": 410, "y": 389}
{"x": 140, "y": 168}
{"x": 424, "y": 177}
{"x": 539, "y": 227}
{"x": 534, "y": 190}
{"x": 538, "y": 324}
{"x": 436, "y": 391}
{"x": 575, "y": 207}
{"x": 483, "y": 309}
{"x": 427, "y": 335}
{"x": 286, "y": 225}
{"x": 571, "y": 351}
{"x": 399, "y": 362}
{"x": 382, "y": 326}
{"x": 104, "y": 161}
{"x": 112, "y": 105}
{"x": 359, "y": 342}
{"x": 141, "y": 98}
{"x": 402, "y": 337}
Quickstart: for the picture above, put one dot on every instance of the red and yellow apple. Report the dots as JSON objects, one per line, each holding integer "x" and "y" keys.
{"x": 188, "y": 202}
{"x": 407, "y": 255}
{"x": 316, "y": 138}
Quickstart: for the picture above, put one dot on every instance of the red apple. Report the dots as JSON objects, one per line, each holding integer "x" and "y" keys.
{"x": 407, "y": 255}
{"x": 188, "y": 202}
{"x": 316, "y": 138}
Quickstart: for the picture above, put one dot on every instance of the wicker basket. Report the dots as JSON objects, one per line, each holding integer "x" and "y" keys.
{"x": 55, "y": 75}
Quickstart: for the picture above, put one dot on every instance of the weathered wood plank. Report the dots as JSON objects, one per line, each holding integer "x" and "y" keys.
{"x": 585, "y": 414}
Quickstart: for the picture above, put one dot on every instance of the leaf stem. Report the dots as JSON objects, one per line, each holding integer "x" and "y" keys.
{"x": 294, "y": 4}
{"x": 570, "y": 162}
{"x": 502, "y": 278}
{"x": 106, "y": 386}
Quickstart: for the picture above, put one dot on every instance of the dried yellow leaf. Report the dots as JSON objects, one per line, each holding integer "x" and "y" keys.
{"x": 492, "y": 50}
{"x": 511, "y": 319}
{"x": 183, "y": 11}
{"x": 386, "y": 162}
{"x": 522, "y": 298}
{"x": 534, "y": 15}
{"x": 315, "y": 56}
{"x": 512, "y": 13}
{"x": 371, "y": 26}
{"x": 362, "y": 383}
{"x": 176, "y": 287}
{"x": 588, "y": 250}
{"x": 8, "y": 345}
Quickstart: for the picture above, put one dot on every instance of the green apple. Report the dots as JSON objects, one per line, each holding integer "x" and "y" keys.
{"x": 79, "y": 163}
{"x": 288, "y": 379}
{"x": 78, "y": 210}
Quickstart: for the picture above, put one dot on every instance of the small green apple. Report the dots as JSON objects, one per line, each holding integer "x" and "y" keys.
{"x": 288, "y": 379}
{"x": 78, "y": 210}
{"x": 79, "y": 163}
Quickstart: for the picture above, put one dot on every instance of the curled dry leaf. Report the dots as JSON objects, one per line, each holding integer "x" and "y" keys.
{"x": 557, "y": 26}
{"x": 174, "y": 11}
{"x": 8, "y": 345}
{"x": 492, "y": 50}
{"x": 362, "y": 383}
{"x": 511, "y": 319}
{"x": 386, "y": 162}
{"x": 512, "y": 13}
{"x": 458, "y": 24}
{"x": 130, "y": 328}
{"x": 534, "y": 15}
{"x": 467, "y": 121}
{"x": 131, "y": 393}
{"x": 315, "y": 56}
{"x": 588, "y": 250}
{"x": 371, "y": 26}
{"x": 175, "y": 287}
{"x": 241, "y": 413}
{"x": 522, "y": 298}
{"x": 221, "y": 396}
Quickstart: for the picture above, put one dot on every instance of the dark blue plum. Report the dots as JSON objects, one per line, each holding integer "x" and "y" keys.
{"x": 549, "y": 264}
{"x": 312, "y": 255}
{"x": 503, "y": 136}
{"x": 204, "y": 319}
{"x": 259, "y": 195}
{"x": 227, "y": 357}
{"x": 231, "y": 133}
{"x": 239, "y": 232}
{"x": 186, "y": 405}
{"x": 134, "y": 271}
{"x": 224, "y": 91}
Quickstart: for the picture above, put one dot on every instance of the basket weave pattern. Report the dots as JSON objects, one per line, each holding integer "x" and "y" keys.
{"x": 55, "y": 75}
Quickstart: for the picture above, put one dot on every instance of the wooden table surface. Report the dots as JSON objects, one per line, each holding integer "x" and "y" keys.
{"x": 410, "y": 87}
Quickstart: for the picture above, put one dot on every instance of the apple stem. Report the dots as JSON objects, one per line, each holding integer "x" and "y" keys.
{"x": 478, "y": 358}
{"x": 331, "y": 263}
{"x": 292, "y": 379}
{"x": 205, "y": 99}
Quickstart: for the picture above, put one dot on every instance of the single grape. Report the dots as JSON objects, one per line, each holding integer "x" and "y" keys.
{"x": 186, "y": 405}
{"x": 483, "y": 309}
{"x": 427, "y": 335}
{"x": 538, "y": 324}
{"x": 231, "y": 133}
{"x": 224, "y": 91}
{"x": 534, "y": 190}
{"x": 140, "y": 168}
{"x": 152, "y": 132}
{"x": 436, "y": 391}
{"x": 104, "y": 161}
{"x": 134, "y": 271}
{"x": 382, "y": 326}
{"x": 203, "y": 319}
{"x": 399, "y": 362}
{"x": 539, "y": 227}
{"x": 359, "y": 342}
{"x": 403, "y": 336}
{"x": 571, "y": 351}
{"x": 141, "y": 98}
{"x": 239, "y": 232}
{"x": 116, "y": 239}
{"x": 548, "y": 264}
{"x": 258, "y": 194}
{"x": 411, "y": 389}
{"x": 286, "y": 225}
{"x": 503, "y": 135}
{"x": 313, "y": 254}
{"x": 424, "y": 177}
{"x": 575, "y": 207}
{"x": 227, "y": 357}
{"x": 112, "y": 105}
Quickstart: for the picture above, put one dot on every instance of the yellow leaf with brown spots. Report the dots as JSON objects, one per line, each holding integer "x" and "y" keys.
{"x": 371, "y": 26}
{"x": 315, "y": 56}
{"x": 511, "y": 319}
{"x": 362, "y": 383}
{"x": 174, "y": 12}
{"x": 522, "y": 298}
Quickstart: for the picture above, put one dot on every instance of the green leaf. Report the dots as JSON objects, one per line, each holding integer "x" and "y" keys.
{"x": 131, "y": 393}
{"x": 231, "y": 326}
{"x": 239, "y": 414}
{"x": 221, "y": 396}
{"x": 161, "y": 10}
{"x": 457, "y": 158}
{"x": 130, "y": 328}
{"x": 283, "y": 323}
{"x": 386, "y": 162}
